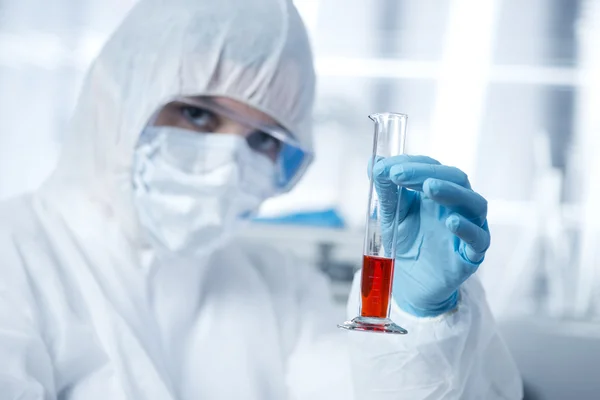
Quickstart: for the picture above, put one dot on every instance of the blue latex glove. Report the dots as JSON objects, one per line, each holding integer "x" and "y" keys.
{"x": 442, "y": 232}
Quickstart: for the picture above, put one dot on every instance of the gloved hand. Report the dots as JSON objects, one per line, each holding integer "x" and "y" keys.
{"x": 442, "y": 232}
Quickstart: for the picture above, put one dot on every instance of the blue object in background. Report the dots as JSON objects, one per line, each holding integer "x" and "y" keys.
{"x": 329, "y": 218}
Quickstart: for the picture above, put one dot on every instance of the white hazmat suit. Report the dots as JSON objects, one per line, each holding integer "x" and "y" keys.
{"x": 87, "y": 312}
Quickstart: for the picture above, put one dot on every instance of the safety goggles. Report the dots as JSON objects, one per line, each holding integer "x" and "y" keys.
{"x": 291, "y": 159}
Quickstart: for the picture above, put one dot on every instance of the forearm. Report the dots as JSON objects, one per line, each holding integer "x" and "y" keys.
{"x": 458, "y": 355}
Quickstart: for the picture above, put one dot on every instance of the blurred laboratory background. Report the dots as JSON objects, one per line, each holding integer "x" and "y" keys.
{"x": 507, "y": 90}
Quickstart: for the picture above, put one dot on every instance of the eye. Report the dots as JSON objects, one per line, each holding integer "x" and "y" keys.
{"x": 200, "y": 118}
{"x": 264, "y": 143}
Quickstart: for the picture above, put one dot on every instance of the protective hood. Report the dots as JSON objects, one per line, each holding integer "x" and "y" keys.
{"x": 254, "y": 51}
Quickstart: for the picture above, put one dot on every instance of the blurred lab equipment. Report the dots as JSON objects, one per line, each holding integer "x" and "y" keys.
{"x": 586, "y": 163}
{"x": 379, "y": 253}
{"x": 556, "y": 361}
{"x": 539, "y": 270}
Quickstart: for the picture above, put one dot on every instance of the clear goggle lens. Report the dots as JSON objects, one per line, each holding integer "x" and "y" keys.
{"x": 275, "y": 142}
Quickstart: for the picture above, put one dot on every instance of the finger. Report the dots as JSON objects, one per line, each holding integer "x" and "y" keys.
{"x": 391, "y": 198}
{"x": 388, "y": 191}
{"x": 458, "y": 199}
{"x": 413, "y": 175}
{"x": 372, "y": 162}
{"x": 389, "y": 162}
{"x": 476, "y": 240}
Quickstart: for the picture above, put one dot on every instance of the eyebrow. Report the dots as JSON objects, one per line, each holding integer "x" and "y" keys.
{"x": 259, "y": 115}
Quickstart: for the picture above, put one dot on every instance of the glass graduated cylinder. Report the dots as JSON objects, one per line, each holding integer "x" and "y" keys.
{"x": 379, "y": 251}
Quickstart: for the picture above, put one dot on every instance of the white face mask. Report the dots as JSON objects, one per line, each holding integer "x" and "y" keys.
{"x": 193, "y": 190}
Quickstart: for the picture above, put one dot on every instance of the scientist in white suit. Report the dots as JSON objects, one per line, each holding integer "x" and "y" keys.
{"x": 121, "y": 277}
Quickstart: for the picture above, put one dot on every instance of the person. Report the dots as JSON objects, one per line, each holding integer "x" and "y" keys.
{"x": 123, "y": 278}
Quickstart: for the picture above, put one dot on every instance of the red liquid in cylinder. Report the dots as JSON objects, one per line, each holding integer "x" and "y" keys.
{"x": 376, "y": 286}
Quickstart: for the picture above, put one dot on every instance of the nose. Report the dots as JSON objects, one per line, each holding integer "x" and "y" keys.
{"x": 230, "y": 126}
